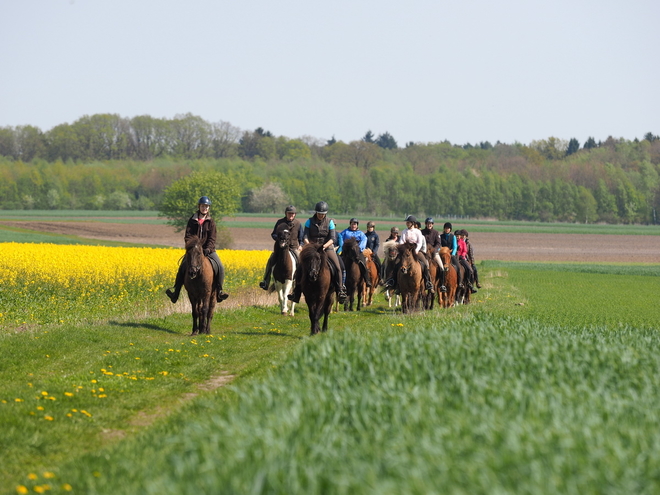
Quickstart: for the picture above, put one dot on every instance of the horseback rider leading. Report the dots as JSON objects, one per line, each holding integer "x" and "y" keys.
{"x": 203, "y": 226}
{"x": 319, "y": 229}
{"x": 289, "y": 222}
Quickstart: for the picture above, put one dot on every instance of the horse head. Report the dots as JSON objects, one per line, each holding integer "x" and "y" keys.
{"x": 283, "y": 238}
{"x": 391, "y": 251}
{"x": 350, "y": 250}
{"x": 194, "y": 256}
{"x": 313, "y": 257}
{"x": 407, "y": 255}
{"x": 445, "y": 256}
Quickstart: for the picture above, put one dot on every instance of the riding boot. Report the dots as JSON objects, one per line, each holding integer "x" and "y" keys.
{"x": 221, "y": 295}
{"x": 365, "y": 273}
{"x": 295, "y": 295}
{"x": 427, "y": 280}
{"x": 443, "y": 287}
{"x": 265, "y": 283}
{"x": 178, "y": 283}
{"x": 341, "y": 291}
{"x": 476, "y": 277}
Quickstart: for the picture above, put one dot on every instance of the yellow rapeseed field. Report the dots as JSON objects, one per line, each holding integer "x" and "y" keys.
{"x": 51, "y": 282}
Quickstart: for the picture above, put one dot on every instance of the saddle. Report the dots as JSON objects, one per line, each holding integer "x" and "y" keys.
{"x": 216, "y": 268}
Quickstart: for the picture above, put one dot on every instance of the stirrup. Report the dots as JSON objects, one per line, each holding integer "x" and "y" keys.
{"x": 443, "y": 288}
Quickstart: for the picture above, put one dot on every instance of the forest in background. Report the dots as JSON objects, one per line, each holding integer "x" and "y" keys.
{"x": 109, "y": 162}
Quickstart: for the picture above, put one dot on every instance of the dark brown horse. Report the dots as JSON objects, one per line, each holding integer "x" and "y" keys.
{"x": 283, "y": 271}
{"x": 390, "y": 261}
{"x": 354, "y": 280}
{"x": 367, "y": 298}
{"x": 409, "y": 278}
{"x": 199, "y": 285}
{"x": 316, "y": 284}
{"x": 447, "y": 299}
{"x": 428, "y": 299}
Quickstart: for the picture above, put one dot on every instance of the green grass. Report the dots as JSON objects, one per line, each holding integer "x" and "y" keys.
{"x": 540, "y": 386}
{"x": 383, "y": 224}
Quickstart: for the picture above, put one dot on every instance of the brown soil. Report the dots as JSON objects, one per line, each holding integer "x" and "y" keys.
{"x": 487, "y": 246}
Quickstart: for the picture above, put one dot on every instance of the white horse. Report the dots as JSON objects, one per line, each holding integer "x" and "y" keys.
{"x": 283, "y": 272}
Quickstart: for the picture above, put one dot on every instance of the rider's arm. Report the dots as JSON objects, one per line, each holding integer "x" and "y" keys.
{"x": 332, "y": 236}
{"x": 454, "y": 246}
{"x": 209, "y": 245}
{"x": 306, "y": 233}
{"x": 273, "y": 234}
{"x": 363, "y": 241}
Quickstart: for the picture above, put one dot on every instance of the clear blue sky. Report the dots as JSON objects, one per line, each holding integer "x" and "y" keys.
{"x": 423, "y": 70}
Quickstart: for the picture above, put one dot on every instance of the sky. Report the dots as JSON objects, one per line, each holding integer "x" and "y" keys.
{"x": 425, "y": 71}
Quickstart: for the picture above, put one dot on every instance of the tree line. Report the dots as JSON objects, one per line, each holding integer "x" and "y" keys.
{"x": 108, "y": 162}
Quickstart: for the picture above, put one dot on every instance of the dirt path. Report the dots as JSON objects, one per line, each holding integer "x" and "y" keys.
{"x": 487, "y": 246}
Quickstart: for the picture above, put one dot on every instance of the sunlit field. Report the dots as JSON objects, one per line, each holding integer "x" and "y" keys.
{"x": 50, "y": 283}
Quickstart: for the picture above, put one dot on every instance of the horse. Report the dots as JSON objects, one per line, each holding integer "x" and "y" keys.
{"x": 199, "y": 285}
{"x": 350, "y": 252}
{"x": 447, "y": 299}
{"x": 462, "y": 292}
{"x": 283, "y": 271}
{"x": 409, "y": 278}
{"x": 389, "y": 262}
{"x": 316, "y": 284}
{"x": 428, "y": 299}
{"x": 368, "y": 294}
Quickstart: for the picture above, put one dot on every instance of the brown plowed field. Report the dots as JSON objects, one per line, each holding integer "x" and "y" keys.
{"x": 487, "y": 246}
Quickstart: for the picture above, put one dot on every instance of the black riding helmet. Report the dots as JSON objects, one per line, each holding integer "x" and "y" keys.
{"x": 370, "y": 224}
{"x": 411, "y": 218}
{"x": 354, "y": 220}
{"x": 394, "y": 230}
{"x": 204, "y": 200}
{"x": 321, "y": 207}
{"x": 447, "y": 226}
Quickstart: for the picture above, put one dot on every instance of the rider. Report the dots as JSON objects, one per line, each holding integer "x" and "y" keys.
{"x": 373, "y": 243}
{"x": 352, "y": 232}
{"x": 470, "y": 258}
{"x": 449, "y": 240}
{"x": 203, "y": 226}
{"x": 319, "y": 229}
{"x": 413, "y": 235}
{"x": 433, "y": 241}
{"x": 463, "y": 259}
{"x": 290, "y": 223}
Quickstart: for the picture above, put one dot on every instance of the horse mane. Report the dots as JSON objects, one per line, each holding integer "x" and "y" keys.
{"x": 191, "y": 242}
{"x": 350, "y": 245}
{"x": 310, "y": 251}
{"x": 406, "y": 246}
{"x": 389, "y": 245}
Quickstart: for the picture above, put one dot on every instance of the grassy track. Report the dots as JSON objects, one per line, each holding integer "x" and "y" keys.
{"x": 547, "y": 384}
{"x": 383, "y": 223}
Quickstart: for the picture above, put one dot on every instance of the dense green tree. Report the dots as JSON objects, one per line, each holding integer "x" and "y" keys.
{"x": 368, "y": 137}
{"x": 180, "y": 198}
{"x": 590, "y": 143}
{"x": 386, "y": 141}
{"x": 573, "y": 147}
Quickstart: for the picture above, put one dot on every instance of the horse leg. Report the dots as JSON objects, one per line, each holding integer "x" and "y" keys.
{"x": 286, "y": 290}
{"x": 195, "y": 317}
{"x": 326, "y": 311}
{"x": 314, "y": 318}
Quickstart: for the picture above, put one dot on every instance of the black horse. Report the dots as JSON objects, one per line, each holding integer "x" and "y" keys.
{"x": 316, "y": 284}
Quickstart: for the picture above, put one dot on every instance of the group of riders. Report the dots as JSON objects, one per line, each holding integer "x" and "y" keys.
{"x": 321, "y": 230}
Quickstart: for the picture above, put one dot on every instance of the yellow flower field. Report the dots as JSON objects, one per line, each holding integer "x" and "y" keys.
{"x": 49, "y": 282}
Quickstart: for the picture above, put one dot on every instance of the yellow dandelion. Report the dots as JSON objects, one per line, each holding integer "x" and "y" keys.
{"x": 49, "y": 475}
{"x": 67, "y": 487}
{"x": 68, "y": 394}
{"x": 48, "y": 418}
{"x": 32, "y": 476}
{"x": 22, "y": 490}
{"x": 18, "y": 400}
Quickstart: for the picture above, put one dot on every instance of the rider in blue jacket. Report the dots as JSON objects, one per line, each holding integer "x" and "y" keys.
{"x": 352, "y": 232}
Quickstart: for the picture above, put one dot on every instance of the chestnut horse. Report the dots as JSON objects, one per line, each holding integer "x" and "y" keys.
{"x": 409, "y": 278}
{"x": 369, "y": 292}
{"x": 283, "y": 271}
{"x": 199, "y": 285}
{"x": 447, "y": 299}
{"x": 316, "y": 284}
{"x": 350, "y": 252}
{"x": 428, "y": 298}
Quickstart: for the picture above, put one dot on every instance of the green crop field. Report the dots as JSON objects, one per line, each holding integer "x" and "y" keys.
{"x": 547, "y": 383}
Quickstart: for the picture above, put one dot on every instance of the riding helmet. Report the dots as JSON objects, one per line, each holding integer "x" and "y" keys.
{"x": 447, "y": 226}
{"x": 411, "y": 218}
{"x": 465, "y": 233}
{"x": 394, "y": 230}
{"x": 429, "y": 220}
{"x": 321, "y": 207}
{"x": 354, "y": 220}
{"x": 370, "y": 224}
{"x": 290, "y": 209}
{"x": 204, "y": 200}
